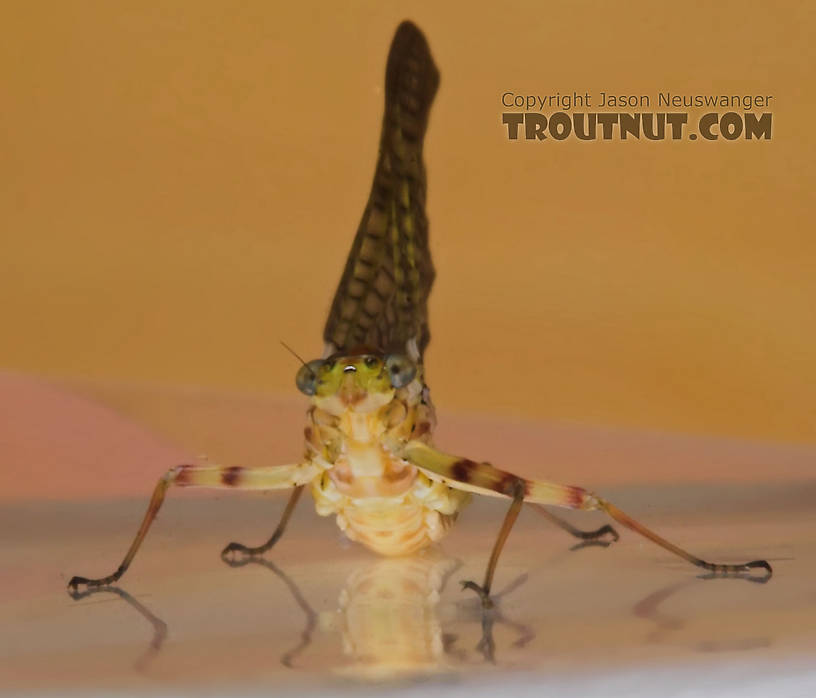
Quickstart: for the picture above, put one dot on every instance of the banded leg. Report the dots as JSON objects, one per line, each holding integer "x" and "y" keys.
{"x": 243, "y": 554}
{"x": 483, "y": 478}
{"x": 214, "y": 476}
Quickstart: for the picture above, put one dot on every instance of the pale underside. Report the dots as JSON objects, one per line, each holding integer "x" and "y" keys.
{"x": 379, "y": 499}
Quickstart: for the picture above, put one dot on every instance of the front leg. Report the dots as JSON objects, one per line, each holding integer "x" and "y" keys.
{"x": 483, "y": 478}
{"x": 212, "y": 476}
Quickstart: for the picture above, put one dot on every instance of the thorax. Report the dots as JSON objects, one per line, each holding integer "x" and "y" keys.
{"x": 379, "y": 499}
{"x": 357, "y": 449}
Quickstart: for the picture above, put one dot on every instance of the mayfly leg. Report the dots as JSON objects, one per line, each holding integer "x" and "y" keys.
{"x": 510, "y": 518}
{"x": 248, "y": 552}
{"x": 483, "y": 478}
{"x": 588, "y": 537}
{"x": 212, "y": 476}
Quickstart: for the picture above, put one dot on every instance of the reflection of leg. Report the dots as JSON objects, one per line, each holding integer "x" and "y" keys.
{"x": 212, "y": 476}
{"x": 487, "y": 645}
{"x": 493, "y": 616}
{"x": 588, "y": 537}
{"x": 159, "y": 626}
{"x": 649, "y": 606}
{"x": 246, "y": 552}
{"x": 489, "y": 617}
{"x": 311, "y": 616}
{"x": 509, "y": 520}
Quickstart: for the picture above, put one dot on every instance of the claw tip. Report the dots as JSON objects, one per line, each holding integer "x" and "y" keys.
{"x": 764, "y": 564}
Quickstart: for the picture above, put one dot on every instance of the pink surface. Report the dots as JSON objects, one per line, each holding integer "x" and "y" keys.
{"x": 54, "y": 444}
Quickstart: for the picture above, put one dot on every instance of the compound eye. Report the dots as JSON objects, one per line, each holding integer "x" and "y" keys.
{"x": 371, "y": 361}
{"x": 400, "y": 369}
{"x": 306, "y": 378}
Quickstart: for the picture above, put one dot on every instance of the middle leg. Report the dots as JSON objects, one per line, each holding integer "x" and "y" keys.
{"x": 236, "y": 554}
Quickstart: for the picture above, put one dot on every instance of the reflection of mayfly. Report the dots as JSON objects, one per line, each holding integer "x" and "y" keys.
{"x": 369, "y": 457}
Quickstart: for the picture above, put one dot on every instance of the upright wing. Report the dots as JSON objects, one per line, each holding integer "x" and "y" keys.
{"x": 382, "y": 299}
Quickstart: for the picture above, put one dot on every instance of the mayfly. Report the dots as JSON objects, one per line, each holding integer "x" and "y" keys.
{"x": 369, "y": 457}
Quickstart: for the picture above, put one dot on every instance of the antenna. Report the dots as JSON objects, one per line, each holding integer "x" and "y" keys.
{"x": 297, "y": 356}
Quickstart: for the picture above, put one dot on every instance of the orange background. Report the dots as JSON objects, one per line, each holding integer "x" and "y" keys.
{"x": 181, "y": 183}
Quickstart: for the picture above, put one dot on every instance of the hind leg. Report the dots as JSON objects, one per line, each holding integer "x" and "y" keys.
{"x": 483, "y": 478}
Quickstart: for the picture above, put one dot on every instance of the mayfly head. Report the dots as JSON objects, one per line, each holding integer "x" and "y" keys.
{"x": 361, "y": 382}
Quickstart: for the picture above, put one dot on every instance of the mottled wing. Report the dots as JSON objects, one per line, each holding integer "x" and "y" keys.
{"x": 382, "y": 299}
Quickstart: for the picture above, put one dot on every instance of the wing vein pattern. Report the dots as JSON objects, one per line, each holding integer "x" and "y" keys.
{"x": 382, "y": 299}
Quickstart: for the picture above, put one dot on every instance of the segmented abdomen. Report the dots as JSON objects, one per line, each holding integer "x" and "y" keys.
{"x": 398, "y": 525}
{"x": 392, "y": 528}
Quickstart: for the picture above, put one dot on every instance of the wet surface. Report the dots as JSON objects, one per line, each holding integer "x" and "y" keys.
{"x": 318, "y": 612}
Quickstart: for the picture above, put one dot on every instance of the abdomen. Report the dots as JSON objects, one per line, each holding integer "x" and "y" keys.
{"x": 396, "y": 525}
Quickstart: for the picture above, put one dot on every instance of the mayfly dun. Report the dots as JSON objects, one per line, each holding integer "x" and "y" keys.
{"x": 369, "y": 457}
